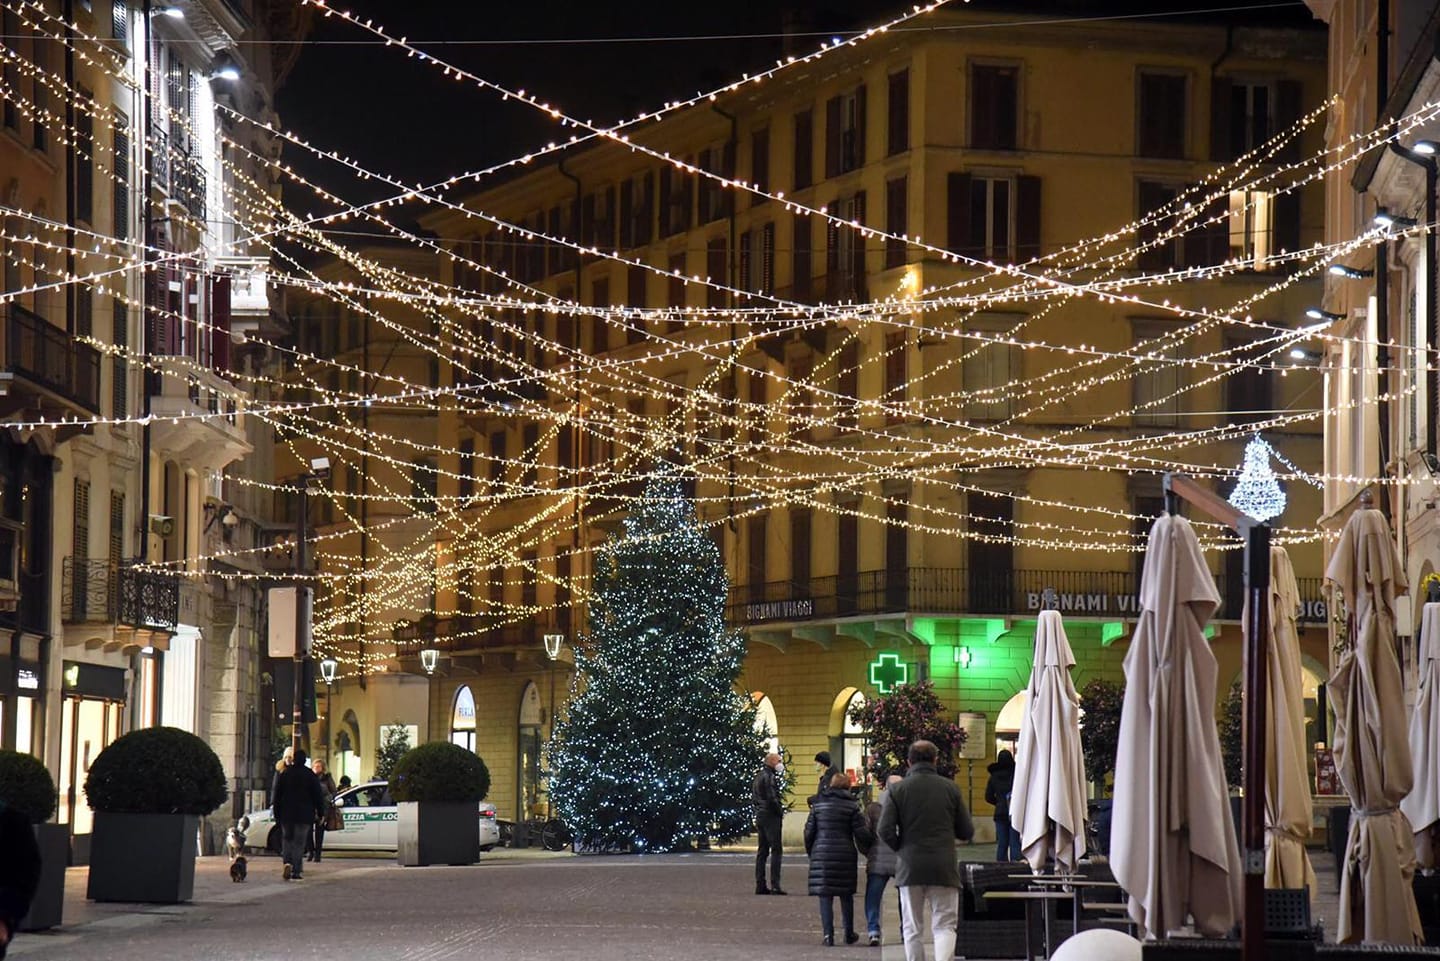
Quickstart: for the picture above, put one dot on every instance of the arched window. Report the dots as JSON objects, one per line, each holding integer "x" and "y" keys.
{"x": 1007, "y": 724}
{"x": 854, "y": 749}
{"x": 462, "y": 719}
{"x": 766, "y": 723}
{"x": 528, "y": 774}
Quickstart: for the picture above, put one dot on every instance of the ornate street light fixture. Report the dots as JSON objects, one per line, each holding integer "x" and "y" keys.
{"x": 329, "y": 668}
{"x": 429, "y": 658}
{"x": 553, "y": 642}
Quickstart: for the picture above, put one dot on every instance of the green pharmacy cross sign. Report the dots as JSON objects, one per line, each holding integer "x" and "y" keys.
{"x": 888, "y": 672}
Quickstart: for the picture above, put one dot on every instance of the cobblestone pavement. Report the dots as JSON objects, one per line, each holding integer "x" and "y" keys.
{"x": 518, "y": 906}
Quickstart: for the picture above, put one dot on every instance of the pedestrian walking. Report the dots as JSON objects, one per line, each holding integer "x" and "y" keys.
{"x": 997, "y": 792}
{"x": 827, "y": 773}
{"x": 19, "y": 871}
{"x": 330, "y": 820}
{"x": 299, "y": 800}
{"x": 835, "y": 833}
{"x": 921, "y": 819}
{"x": 766, "y": 792}
{"x": 879, "y": 864}
{"x": 287, "y": 757}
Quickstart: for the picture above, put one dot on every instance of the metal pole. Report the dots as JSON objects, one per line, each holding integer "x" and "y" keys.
{"x": 302, "y": 620}
{"x": 1257, "y": 637}
{"x": 147, "y": 229}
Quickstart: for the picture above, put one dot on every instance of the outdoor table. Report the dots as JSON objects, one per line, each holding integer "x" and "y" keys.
{"x": 1076, "y": 882}
{"x": 1030, "y": 898}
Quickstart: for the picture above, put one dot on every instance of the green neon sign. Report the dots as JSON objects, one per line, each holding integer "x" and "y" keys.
{"x": 888, "y": 672}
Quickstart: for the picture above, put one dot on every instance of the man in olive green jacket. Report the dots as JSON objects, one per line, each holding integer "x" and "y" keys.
{"x": 921, "y": 819}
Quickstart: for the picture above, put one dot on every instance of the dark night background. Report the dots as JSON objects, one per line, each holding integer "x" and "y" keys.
{"x": 398, "y": 116}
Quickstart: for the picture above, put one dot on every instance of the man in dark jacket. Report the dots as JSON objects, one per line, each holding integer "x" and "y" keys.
{"x": 827, "y": 773}
{"x": 765, "y": 794}
{"x": 921, "y": 821}
{"x": 299, "y": 800}
{"x": 997, "y": 792}
{"x": 19, "y": 871}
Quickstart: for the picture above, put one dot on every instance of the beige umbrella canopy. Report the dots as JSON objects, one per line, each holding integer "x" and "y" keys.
{"x": 1047, "y": 802}
{"x": 1372, "y": 757}
{"x": 1287, "y": 786}
{"x": 1422, "y": 805}
{"x": 1173, "y": 847}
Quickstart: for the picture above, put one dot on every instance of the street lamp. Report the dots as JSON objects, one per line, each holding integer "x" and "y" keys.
{"x": 429, "y": 659}
{"x": 553, "y": 643}
{"x": 304, "y": 594}
{"x": 329, "y": 667}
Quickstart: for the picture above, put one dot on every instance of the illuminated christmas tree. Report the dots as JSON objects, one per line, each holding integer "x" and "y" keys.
{"x": 658, "y": 747}
{"x": 1257, "y": 492}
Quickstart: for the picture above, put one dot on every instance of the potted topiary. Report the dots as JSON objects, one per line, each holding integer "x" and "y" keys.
{"x": 149, "y": 789}
{"x": 26, "y": 786}
{"x": 439, "y": 787}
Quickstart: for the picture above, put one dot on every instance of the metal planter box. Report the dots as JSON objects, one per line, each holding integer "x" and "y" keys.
{"x": 143, "y": 857}
{"x": 48, "y": 908}
{"x": 437, "y": 832}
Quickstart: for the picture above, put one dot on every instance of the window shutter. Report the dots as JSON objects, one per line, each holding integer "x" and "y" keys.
{"x": 607, "y": 227}
{"x": 716, "y": 268}
{"x": 847, "y": 383}
{"x": 760, "y": 163}
{"x": 860, "y": 98}
{"x": 896, "y": 202}
{"x": 804, "y": 173}
{"x": 767, "y": 258}
{"x": 120, "y": 21}
{"x": 667, "y": 226}
{"x": 587, "y": 220}
{"x": 979, "y": 217}
{"x": 219, "y": 297}
{"x": 957, "y": 201}
{"x": 689, "y": 186}
{"x": 832, "y": 137}
{"x": 120, "y": 164}
{"x": 1208, "y": 242}
{"x": 898, "y": 116}
{"x": 746, "y": 259}
{"x": 1027, "y": 219}
{"x": 80, "y": 543}
{"x": 1287, "y": 112}
{"x": 727, "y": 170}
{"x": 1221, "y": 145}
{"x": 647, "y": 209}
{"x": 857, "y": 269}
{"x": 801, "y": 266}
{"x": 1286, "y": 227}
{"x": 627, "y": 215}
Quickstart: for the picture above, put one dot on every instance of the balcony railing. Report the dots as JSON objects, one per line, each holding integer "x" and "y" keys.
{"x": 189, "y": 186}
{"x": 101, "y": 592}
{"x": 160, "y": 158}
{"x": 462, "y": 632}
{"x": 51, "y": 358}
{"x": 931, "y": 590}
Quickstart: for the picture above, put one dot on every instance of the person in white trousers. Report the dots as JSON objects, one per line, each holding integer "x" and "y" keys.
{"x": 922, "y": 819}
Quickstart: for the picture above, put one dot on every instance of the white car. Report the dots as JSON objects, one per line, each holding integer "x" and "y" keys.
{"x": 370, "y": 815}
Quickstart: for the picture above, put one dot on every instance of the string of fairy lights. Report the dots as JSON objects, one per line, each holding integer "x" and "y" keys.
{"x": 912, "y": 454}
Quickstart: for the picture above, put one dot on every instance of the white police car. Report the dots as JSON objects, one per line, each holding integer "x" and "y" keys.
{"x": 369, "y": 814}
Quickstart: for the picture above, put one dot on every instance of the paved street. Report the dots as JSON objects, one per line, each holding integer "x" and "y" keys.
{"x": 518, "y": 905}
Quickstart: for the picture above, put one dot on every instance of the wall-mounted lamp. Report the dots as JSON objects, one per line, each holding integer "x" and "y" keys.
{"x": 224, "y": 68}
{"x": 224, "y": 513}
{"x": 1425, "y": 148}
{"x": 329, "y": 669}
{"x": 1350, "y": 273}
{"x": 963, "y": 656}
{"x": 1384, "y": 218}
{"x": 1315, "y": 313}
{"x": 429, "y": 659}
{"x": 553, "y": 643}
{"x": 174, "y": 13}
{"x": 1303, "y": 356}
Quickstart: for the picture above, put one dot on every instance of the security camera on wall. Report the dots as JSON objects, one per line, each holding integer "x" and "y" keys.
{"x": 161, "y": 525}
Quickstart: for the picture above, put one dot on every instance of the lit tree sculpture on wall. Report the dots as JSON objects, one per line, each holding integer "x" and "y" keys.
{"x": 658, "y": 748}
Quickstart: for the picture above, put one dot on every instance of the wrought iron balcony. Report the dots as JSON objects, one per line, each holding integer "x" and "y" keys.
{"x": 956, "y": 591}
{"x": 44, "y": 363}
{"x": 135, "y": 603}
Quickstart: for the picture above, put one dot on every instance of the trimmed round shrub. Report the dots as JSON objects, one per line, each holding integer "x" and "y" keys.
{"x": 439, "y": 771}
{"x": 157, "y": 770}
{"x": 26, "y": 786}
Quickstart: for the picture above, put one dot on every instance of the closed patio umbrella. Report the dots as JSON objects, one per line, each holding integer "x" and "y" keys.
{"x": 1422, "y": 805}
{"x": 1287, "y": 785}
{"x": 1372, "y": 756}
{"x": 1047, "y": 802}
{"x": 1173, "y": 848}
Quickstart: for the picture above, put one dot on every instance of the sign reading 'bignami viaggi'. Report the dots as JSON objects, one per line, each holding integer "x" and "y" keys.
{"x": 1128, "y": 605}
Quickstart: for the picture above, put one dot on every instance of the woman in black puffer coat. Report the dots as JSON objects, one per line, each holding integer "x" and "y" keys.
{"x": 832, "y": 833}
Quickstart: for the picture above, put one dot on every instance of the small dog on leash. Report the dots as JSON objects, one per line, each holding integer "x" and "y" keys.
{"x": 235, "y": 845}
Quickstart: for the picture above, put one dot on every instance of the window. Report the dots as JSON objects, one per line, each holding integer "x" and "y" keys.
{"x": 637, "y": 210}
{"x": 716, "y": 200}
{"x": 897, "y": 549}
{"x": 1252, "y": 227}
{"x": 758, "y": 412}
{"x": 120, "y": 21}
{"x": 845, "y": 250}
{"x": 1241, "y": 225}
{"x": 80, "y": 514}
{"x": 115, "y": 552}
{"x": 84, "y": 159}
{"x": 847, "y": 553}
{"x": 845, "y": 132}
{"x": 801, "y": 259}
{"x": 1163, "y": 117}
{"x": 717, "y": 268}
{"x": 759, "y": 164}
{"x": 800, "y": 392}
{"x": 1158, "y": 381}
{"x": 988, "y": 369}
{"x": 994, "y": 217}
{"x": 1249, "y": 394}
{"x": 1246, "y": 113}
{"x": 467, "y": 468}
{"x": 757, "y": 259}
{"x": 755, "y": 556}
{"x": 804, "y": 173}
{"x": 677, "y": 189}
{"x": 497, "y": 455}
{"x": 462, "y": 719}
{"x": 895, "y": 365}
{"x": 847, "y": 384}
{"x": 597, "y": 219}
{"x": 895, "y": 222}
{"x": 422, "y": 485}
{"x": 994, "y": 106}
{"x": 595, "y": 324}
{"x": 675, "y": 289}
{"x": 799, "y": 552}
{"x": 897, "y": 119}
{"x": 991, "y": 553}
{"x": 10, "y": 73}
{"x": 636, "y": 279}
{"x": 119, "y": 370}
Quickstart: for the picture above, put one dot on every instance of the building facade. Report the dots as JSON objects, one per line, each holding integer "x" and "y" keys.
{"x": 128, "y": 279}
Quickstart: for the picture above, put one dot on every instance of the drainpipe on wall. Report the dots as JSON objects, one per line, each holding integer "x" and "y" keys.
{"x": 1382, "y": 269}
